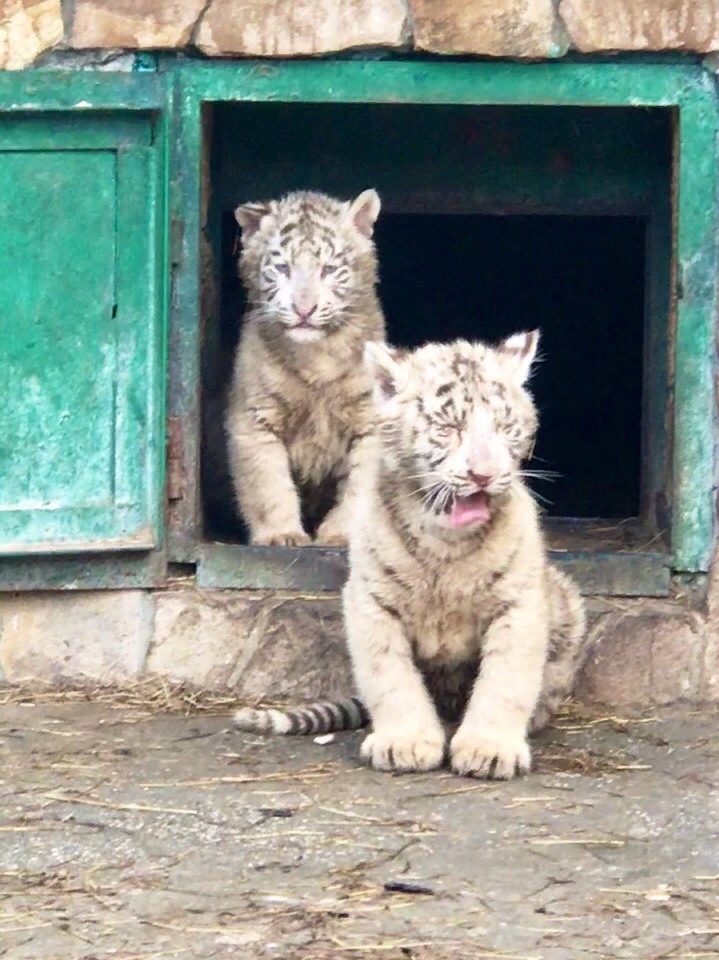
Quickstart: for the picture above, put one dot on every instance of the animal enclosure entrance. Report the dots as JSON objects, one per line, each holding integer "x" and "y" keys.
{"x": 494, "y": 220}
{"x": 580, "y": 197}
{"x": 579, "y": 279}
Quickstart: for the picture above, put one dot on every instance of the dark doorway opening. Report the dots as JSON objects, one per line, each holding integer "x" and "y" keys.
{"x": 580, "y": 279}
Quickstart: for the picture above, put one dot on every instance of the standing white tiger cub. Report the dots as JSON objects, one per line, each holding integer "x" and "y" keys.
{"x": 452, "y": 611}
{"x": 300, "y": 404}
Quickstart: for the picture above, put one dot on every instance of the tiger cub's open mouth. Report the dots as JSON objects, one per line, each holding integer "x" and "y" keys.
{"x": 465, "y": 511}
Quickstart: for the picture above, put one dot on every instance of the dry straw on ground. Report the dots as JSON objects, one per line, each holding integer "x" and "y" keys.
{"x": 150, "y": 696}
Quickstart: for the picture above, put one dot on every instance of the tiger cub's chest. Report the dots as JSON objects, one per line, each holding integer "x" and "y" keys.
{"x": 447, "y": 614}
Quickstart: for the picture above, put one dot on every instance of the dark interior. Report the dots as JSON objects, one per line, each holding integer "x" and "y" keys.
{"x": 494, "y": 220}
{"x": 579, "y": 279}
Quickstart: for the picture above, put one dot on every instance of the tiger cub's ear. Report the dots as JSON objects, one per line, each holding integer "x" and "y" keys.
{"x": 518, "y": 353}
{"x": 386, "y": 370}
{"x": 363, "y": 212}
{"x": 250, "y": 216}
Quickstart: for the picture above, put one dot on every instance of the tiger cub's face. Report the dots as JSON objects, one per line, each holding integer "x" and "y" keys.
{"x": 456, "y": 422}
{"x": 307, "y": 260}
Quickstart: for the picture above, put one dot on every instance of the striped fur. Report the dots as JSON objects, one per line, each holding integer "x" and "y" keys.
{"x": 317, "y": 718}
{"x": 300, "y": 404}
{"x": 452, "y": 610}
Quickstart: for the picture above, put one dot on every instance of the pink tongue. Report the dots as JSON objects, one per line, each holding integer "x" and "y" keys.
{"x": 468, "y": 510}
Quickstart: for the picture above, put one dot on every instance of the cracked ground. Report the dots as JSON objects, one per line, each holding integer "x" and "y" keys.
{"x": 131, "y": 833}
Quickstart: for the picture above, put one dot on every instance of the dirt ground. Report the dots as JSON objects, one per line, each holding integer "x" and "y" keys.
{"x": 131, "y": 833}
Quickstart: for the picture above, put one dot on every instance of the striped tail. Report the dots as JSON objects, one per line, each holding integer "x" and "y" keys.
{"x": 349, "y": 714}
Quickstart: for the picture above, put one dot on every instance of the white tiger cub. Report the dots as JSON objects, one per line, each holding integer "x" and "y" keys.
{"x": 452, "y": 611}
{"x": 300, "y": 403}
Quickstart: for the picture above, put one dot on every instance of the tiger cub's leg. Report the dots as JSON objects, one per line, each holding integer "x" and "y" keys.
{"x": 568, "y": 648}
{"x": 407, "y": 734}
{"x": 491, "y": 741}
{"x": 333, "y": 529}
{"x": 266, "y": 493}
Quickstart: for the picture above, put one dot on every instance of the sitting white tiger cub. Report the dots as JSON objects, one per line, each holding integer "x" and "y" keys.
{"x": 300, "y": 403}
{"x": 452, "y": 610}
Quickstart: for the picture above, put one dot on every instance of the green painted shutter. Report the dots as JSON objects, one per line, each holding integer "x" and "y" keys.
{"x": 81, "y": 331}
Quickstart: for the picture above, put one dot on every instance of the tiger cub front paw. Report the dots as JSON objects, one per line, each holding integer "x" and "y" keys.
{"x": 489, "y": 756}
{"x": 404, "y": 750}
{"x": 281, "y": 538}
{"x": 331, "y": 534}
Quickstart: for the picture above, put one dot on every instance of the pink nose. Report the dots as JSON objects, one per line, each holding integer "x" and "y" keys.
{"x": 482, "y": 480}
{"x": 304, "y": 314}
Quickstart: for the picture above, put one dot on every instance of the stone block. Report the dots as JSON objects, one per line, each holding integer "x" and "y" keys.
{"x": 265, "y": 28}
{"x": 27, "y": 29}
{"x": 64, "y": 638}
{"x": 260, "y": 646}
{"x": 496, "y": 28}
{"x": 597, "y": 25}
{"x": 618, "y": 669}
{"x": 133, "y": 23}
{"x": 101, "y": 61}
{"x": 710, "y": 673}
{"x": 647, "y": 654}
{"x": 200, "y": 636}
{"x": 710, "y": 668}
{"x": 677, "y": 653}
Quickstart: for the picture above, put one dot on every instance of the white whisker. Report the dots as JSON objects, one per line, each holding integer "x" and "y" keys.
{"x": 422, "y": 488}
{"x": 549, "y": 475}
{"x": 539, "y": 498}
{"x": 435, "y": 498}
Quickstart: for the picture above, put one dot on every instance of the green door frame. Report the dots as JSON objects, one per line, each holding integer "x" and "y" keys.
{"x": 175, "y": 95}
{"x": 688, "y": 90}
{"x": 106, "y": 101}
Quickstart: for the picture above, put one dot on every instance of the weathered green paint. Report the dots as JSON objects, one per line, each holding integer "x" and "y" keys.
{"x": 57, "y": 455}
{"x": 83, "y": 257}
{"x": 83, "y": 571}
{"x": 615, "y": 83}
{"x": 694, "y": 402}
{"x": 145, "y": 62}
{"x": 623, "y": 574}
{"x": 308, "y": 569}
{"x": 183, "y": 394}
{"x": 656, "y": 489}
{"x": 82, "y": 91}
{"x": 78, "y": 431}
{"x": 685, "y": 89}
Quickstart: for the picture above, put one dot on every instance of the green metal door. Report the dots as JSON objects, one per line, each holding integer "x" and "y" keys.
{"x": 81, "y": 331}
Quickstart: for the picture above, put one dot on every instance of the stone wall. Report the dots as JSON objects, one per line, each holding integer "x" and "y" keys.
{"x": 276, "y": 646}
{"x": 269, "y": 28}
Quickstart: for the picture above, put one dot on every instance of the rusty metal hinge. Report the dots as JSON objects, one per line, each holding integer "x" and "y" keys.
{"x": 177, "y": 241}
{"x": 175, "y": 459}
